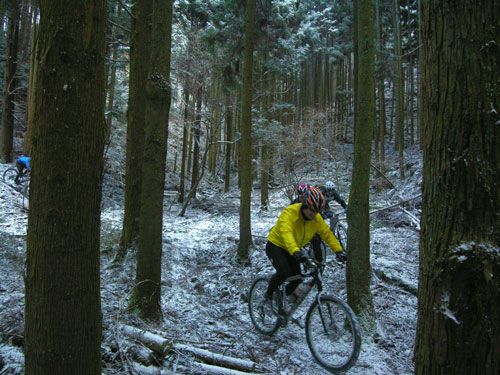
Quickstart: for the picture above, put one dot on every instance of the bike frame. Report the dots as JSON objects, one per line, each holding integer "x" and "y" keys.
{"x": 315, "y": 272}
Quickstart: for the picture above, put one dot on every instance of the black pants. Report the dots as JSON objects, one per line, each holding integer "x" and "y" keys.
{"x": 316, "y": 245}
{"x": 285, "y": 265}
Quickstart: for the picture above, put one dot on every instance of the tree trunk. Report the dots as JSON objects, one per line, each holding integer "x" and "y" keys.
{"x": 63, "y": 313}
{"x": 10, "y": 85}
{"x": 30, "y": 102}
{"x": 358, "y": 236}
{"x": 246, "y": 136}
{"x": 196, "y": 134}
{"x": 148, "y": 276}
{"x": 112, "y": 80}
{"x": 458, "y": 329}
{"x": 399, "y": 89}
{"x": 136, "y": 115}
{"x": 185, "y": 127}
{"x": 229, "y": 140}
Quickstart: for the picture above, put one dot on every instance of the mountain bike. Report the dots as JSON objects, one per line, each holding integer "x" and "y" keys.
{"x": 17, "y": 180}
{"x": 339, "y": 230}
{"x": 332, "y": 329}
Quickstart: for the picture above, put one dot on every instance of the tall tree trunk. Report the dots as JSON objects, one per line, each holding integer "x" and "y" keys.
{"x": 246, "y": 136}
{"x": 358, "y": 236}
{"x": 399, "y": 89}
{"x": 112, "y": 80}
{"x": 229, "y": 140}
{"x": 458, "y": 329}
{"x": 381, "y": 94}
{"x": 185, "y": 128}
{"x": 30, "y": 102}
{"x": 10, "y": 84}
{"x": 196, "y": 134}
{"x": 265, "y": 162}
{"x": 136, "y": 115}
{"x": 63, "y": 311}
{"x": 158, "y": 91}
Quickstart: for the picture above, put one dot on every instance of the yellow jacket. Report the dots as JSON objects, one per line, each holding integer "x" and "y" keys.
{"x": 292, "y": 232}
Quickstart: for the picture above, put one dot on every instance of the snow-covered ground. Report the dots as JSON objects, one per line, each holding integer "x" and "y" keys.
{"x": 204, "y": 289}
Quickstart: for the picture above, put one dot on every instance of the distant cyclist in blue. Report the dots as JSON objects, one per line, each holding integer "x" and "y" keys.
{"x": 22, "y": 163}
{"x": 23, "y": 166}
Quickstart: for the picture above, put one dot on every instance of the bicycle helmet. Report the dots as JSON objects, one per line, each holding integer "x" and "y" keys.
{"x": 314, "y": 199}
{"x": 301, "y": 188}
{"x": 330, "y": 187}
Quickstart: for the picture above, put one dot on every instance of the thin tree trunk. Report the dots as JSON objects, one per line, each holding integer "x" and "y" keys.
{"x": 399, "y": 89}
{"x": 30, "y": 102}
{"x": 358, "y": 237}
{"x": 185, "y": 136}
{"x": 246, "y": 139}
{"x": 196, "y": 134}
{"x": 10, "y": 85}
{"x": 229, "y": 139}
{"x": 112, "y": 82}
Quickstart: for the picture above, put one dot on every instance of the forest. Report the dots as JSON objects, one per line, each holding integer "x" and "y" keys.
{"x": 165, "y": 139}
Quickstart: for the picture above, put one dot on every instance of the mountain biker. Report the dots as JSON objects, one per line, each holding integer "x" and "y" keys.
{"x": 330, "y": 194}
{"x": 296, "y": 226}
{"x": 300, "y": 190}
{"x": 22, "y": 163}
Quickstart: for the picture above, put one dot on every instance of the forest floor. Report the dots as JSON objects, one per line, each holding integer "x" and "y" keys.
{"x": 204, "y": 290}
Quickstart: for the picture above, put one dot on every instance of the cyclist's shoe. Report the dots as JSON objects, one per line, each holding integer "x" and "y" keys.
{"x": 292, "y": 298}
{"x": 267, "y": 306}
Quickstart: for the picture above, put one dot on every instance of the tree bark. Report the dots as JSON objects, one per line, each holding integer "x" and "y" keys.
{"x": 246, "y": 136}
{"x": 10, "y": 85}
{"x": 185, "y": 127}
{"x": 358, "y": 236}
{"x": 398, "y": 100}
{"x": 148, "y": 272}
{"x": 229, "y": 140}
{"x": 139, "y": 62}
{"x": 63, "y": 313}
{"x": 458, "y": 328}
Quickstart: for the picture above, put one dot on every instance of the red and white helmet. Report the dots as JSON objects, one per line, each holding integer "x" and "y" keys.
{"x": 302, "y": 188}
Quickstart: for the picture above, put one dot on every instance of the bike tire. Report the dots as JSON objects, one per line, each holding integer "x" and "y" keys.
{"x": 266, "y": 324}
{"x": 336, "y": 344}
{"x": 9, "y": 178}
{"x": 341, "y": 234}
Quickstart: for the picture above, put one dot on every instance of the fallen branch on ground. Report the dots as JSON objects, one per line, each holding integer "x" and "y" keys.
{"x": 219, "y": 363}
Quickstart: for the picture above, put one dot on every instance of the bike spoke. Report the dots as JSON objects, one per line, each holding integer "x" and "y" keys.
{"x": 332, "y": 334}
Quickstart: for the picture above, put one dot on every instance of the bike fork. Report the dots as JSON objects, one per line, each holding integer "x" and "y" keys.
{"x": 322, "y": 312}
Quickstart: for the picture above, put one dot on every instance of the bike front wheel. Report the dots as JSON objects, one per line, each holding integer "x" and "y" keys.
{"x": 341, "y": 234}
{"x": 265, "y": 322}
{"x": 332, "y": 333}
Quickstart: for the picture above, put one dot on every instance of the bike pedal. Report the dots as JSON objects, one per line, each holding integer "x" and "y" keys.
{"x": 298, "y": 322}
{"x": 283, "y": 321}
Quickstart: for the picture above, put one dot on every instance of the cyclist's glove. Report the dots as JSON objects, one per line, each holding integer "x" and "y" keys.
{"x": 328, "y": 214}
{"x": 300, "y": 256}
{"x": 341, "y": 256}
{"x": 345, "y": 210}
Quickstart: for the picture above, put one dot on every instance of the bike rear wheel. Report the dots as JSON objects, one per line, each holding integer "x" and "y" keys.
{"x": 332, "y": 333}
{"x": 264, "y": 323}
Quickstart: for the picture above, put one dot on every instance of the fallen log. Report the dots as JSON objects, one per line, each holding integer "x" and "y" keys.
{"x": 152, "y": 341}
{"x": 217, "y": 359}
{"x": 216, "y": 370}
{"x": 218, "y": 363}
